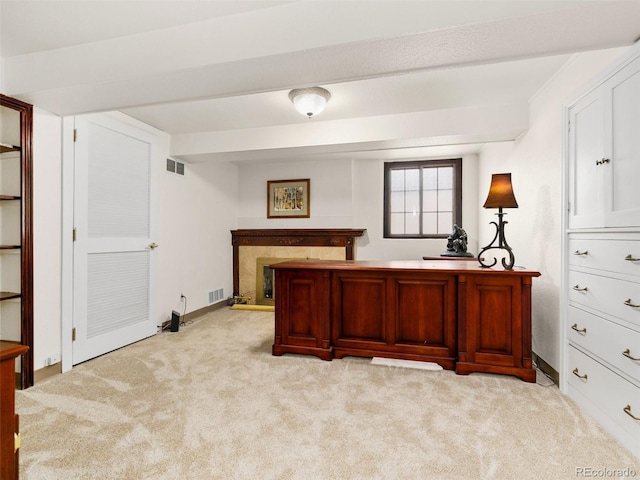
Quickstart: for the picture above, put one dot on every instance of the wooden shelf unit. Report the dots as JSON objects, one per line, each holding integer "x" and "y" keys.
{"x": 16, "y": 232}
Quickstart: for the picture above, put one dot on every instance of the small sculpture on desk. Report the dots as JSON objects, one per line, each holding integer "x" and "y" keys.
{"x": 457, "y": 244}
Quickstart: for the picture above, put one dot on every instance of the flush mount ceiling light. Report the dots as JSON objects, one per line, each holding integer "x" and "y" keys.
{"x": 309, "y": 101}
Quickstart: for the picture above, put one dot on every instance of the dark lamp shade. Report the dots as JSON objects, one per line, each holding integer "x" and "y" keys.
{"x": 501, "y": 192}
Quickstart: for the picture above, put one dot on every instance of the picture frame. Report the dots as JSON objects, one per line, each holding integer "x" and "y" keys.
{"x": 288, "y": 198}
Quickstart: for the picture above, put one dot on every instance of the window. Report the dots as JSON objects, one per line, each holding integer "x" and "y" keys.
{"x": 422, "y": 199}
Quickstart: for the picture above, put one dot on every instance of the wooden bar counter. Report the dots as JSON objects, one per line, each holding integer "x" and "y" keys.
{"x": 462, "y": 316}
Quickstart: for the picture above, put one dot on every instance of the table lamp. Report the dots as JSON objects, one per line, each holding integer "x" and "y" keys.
{"x": 500, "y": 196}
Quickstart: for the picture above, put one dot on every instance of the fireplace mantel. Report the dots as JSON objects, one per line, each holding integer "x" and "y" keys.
{"x": 309, "y": 237}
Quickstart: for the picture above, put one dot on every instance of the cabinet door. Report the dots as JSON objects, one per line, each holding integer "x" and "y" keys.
{"x": 425, "y": 315}
{"x": 404, "y": 316}
{"x": 360, "y": 311}
{"x": 622, "y": 174}
{"x": 586, "y": 128}
{"x": 496, "y": 322}
{"x": 302, "y": 313}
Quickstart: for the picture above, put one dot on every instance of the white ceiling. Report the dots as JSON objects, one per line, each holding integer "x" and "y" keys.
{"x": 216, "y": 74}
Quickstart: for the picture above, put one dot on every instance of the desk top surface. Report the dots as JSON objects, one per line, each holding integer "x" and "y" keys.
{"x": 445, "y": 266}
{"x": 10, "y": 350}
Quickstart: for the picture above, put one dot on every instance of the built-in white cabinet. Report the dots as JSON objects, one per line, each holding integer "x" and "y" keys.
{"x": 601, "y": 300}
{"x": 16, "y": 252}
{"x": 604, "y": 141}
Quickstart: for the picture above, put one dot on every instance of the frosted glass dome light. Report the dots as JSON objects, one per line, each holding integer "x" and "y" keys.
{"x": 309, "y": 101}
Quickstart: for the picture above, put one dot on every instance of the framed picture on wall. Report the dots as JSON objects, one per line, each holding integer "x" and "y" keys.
{"x": 288, "y": 198}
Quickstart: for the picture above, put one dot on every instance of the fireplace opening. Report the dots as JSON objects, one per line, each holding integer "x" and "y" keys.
{"x": 265, "y": 285}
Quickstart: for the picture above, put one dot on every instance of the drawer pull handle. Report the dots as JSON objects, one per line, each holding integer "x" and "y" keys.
{"x": 577, "y": 374}
{"x": 627, "y": 410}
{"x": 603, "y": 161}
{"x": 578, "y": 289}
{"x": 630, "y": 258}
{"x": 578, "y": 252}
{"x": 627, "y": 353}
{"x": 628, "y": 303}
{"x": 579, "y": 330}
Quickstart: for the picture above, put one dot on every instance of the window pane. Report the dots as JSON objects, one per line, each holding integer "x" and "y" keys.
{"x": 422, "y": 197}
{"x": 445, "y": 178}
{"x": 429, "y": 178}
{"x": 412, "y": 223}
{"x": 430, "y": 201}
{"x": 397, "y": 201}
{"x": 412, "y": 177}
{"x": 430, "y": 223}
{"x": 397, "y": 223}
{"x": 397, "y": 180}
{"x": 413, "y": 202}
{"x": 445, "y": 200}
{"x": 445, "y": 222}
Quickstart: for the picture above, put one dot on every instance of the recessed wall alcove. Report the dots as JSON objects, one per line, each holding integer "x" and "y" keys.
{"x": 251, "y": 244}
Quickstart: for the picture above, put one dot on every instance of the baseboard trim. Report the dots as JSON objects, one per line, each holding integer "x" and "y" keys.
{"x": 47, "y": 372}
{"x": 204, "y": 310}
{"x": 546, "y": 368}
{"x": 195, "y": 314}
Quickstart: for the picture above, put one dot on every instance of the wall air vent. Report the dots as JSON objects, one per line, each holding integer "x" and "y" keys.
{"x": 216, "y": 295}
{"x": 174, "y": 166}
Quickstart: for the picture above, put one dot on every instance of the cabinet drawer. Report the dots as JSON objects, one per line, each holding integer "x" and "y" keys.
{"x": 610, "y": 255}
{"x": 610, "y": 393}
{"x": 611, "y": 296}
{"x": 606, "y": 339}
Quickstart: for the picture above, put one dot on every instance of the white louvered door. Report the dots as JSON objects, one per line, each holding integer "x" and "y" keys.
{"x": 114, "y": 250}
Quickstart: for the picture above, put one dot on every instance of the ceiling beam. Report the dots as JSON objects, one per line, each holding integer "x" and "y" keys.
{"x": 272, "y": 49}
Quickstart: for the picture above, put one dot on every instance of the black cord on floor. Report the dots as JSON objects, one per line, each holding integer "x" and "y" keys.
{"x": 184, "y": 312}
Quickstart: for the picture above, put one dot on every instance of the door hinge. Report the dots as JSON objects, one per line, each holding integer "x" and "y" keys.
{"x": 73, "y": 334}
{"x": 75, "y": 134}
{"x": 74, "y": 234}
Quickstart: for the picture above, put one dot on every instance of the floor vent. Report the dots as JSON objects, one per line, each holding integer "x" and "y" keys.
{"x": 216, "y": 295}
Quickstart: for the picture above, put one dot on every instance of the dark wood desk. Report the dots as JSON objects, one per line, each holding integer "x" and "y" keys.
{"x": 457, "y": 314}
{"x": 9, "y": 432}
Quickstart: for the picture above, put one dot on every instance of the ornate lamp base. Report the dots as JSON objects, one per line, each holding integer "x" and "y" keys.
{"x": 501, "y": 245}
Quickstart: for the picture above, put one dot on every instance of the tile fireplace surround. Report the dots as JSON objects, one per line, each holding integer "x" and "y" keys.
{"x": 250, "y": 244}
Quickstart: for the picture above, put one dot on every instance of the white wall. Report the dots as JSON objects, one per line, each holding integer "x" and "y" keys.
{"x": 1, "y": 74}
{"x": 47, "y": 235}
{"x": 330, "y": 199}
{"x": 197, "y": 213}
{"x": 535, "y": 161}
{"x": 348, "y": 194}
{"x": 368, "y": 189}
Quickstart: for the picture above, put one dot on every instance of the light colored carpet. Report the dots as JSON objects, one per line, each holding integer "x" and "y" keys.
{"x": 211, "y": 402}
